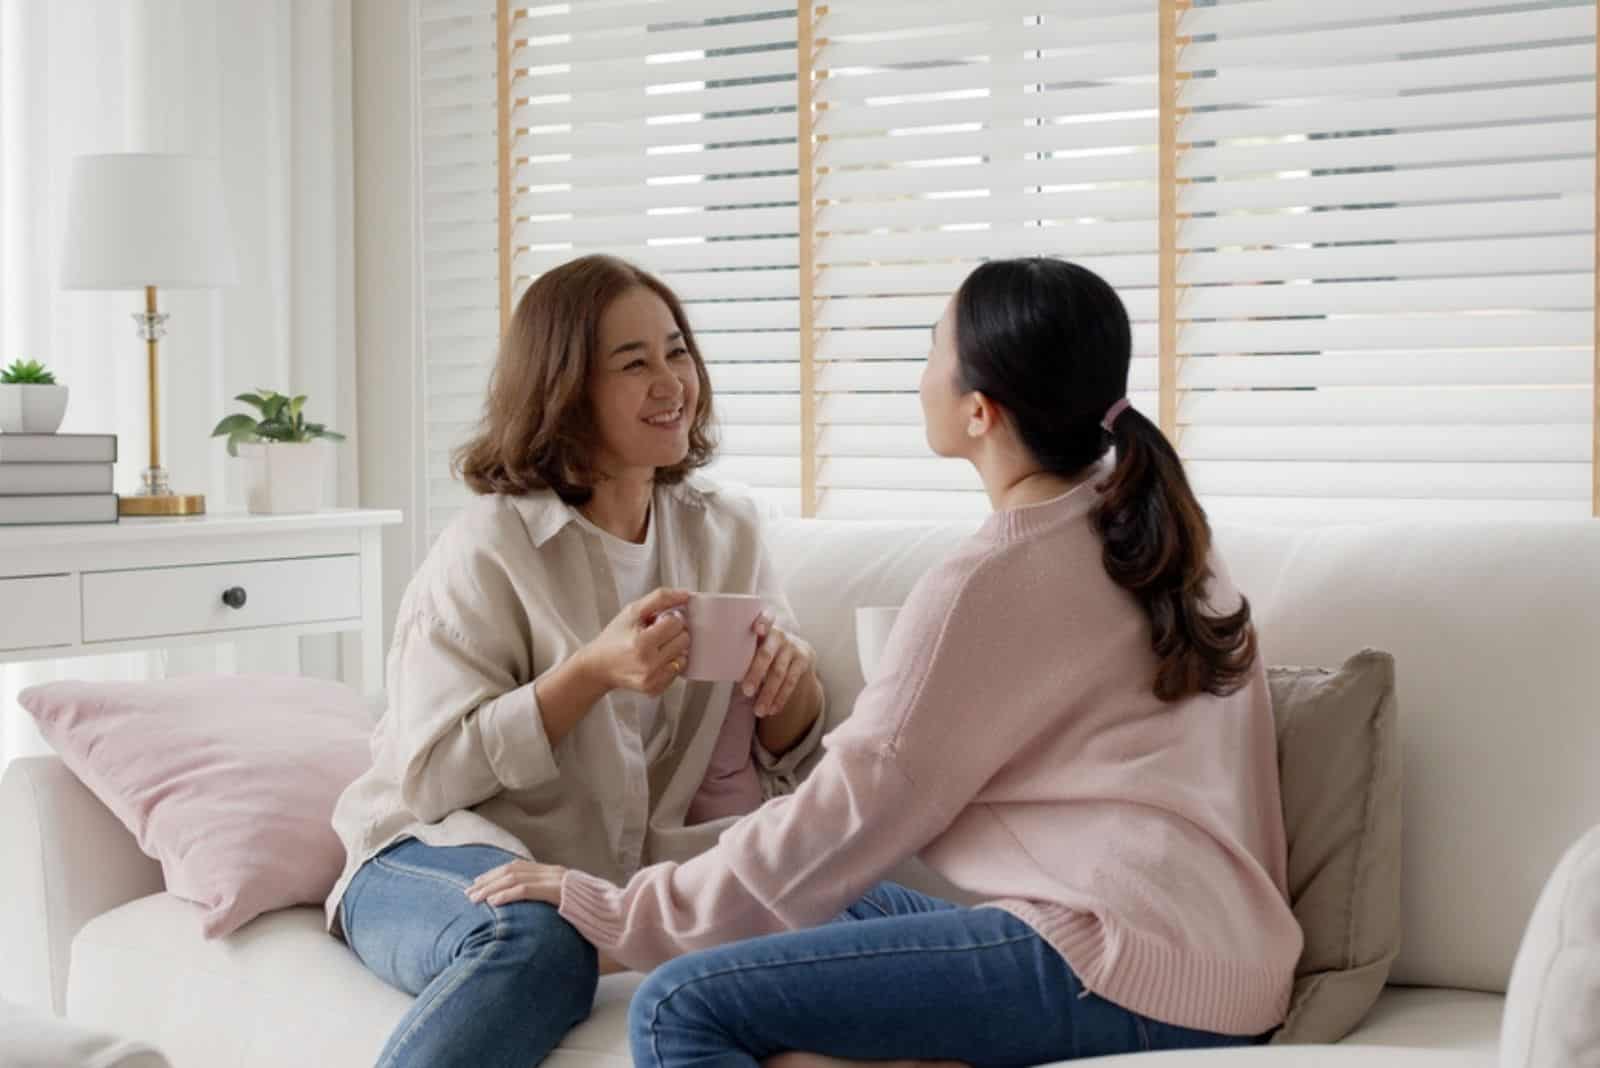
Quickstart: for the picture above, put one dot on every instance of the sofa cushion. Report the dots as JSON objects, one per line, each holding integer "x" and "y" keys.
{"x": 228, "y": 780}
{"x": 1551, "y": 1007}
{"x": 1343, "y": 1056}
{"x": 1464, "y": 1022}
{"x": 1339, "y": 762}
{"x": 279, "y": 991}
{"x": 1410, "y": 1027}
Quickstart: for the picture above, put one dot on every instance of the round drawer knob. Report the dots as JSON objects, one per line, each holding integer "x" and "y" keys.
{"x": 233, "y": 597}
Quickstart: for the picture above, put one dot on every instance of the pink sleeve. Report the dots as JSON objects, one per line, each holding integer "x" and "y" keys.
{"x": 796, "y": 862}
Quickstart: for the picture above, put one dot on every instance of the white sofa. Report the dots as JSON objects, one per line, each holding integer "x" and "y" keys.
{"x": 1496, "y": 633}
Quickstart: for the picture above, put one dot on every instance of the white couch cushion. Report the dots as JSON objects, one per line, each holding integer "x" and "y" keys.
{"x": 1493, "y": 629}
{"x": 280, "y": 991}
{"x": 1410, "y": 1027}
{"x": 1552, "y": 1019}
{"x": 1419, "y": 1017}
{"x": 1340, "y": 1056}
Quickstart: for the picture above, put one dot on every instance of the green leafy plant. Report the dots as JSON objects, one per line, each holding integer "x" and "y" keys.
{"x": 282, "y": 419}
{"x": 27, "y": 373}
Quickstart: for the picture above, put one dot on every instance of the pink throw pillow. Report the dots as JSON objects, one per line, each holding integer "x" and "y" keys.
{"x": 228, "y": 780}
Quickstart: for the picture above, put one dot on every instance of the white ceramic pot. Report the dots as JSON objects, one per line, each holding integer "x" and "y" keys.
{"x": 285, "y": 477}
{"x": 31, "y": 409}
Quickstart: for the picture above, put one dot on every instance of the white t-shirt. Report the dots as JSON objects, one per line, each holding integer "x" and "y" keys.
{"x": 637, "y": 570}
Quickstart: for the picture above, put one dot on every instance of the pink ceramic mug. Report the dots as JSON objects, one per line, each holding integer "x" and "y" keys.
{"x": 721, "y": 641}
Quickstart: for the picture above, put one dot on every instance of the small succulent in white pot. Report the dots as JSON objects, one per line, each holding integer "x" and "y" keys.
{"x": 31, "y": 400}
{"x": 286, "y": 454}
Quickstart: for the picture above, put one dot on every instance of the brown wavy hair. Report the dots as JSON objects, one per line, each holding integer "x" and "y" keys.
{"x": 537, "y": 430}
{"x": 1049, "y": 341}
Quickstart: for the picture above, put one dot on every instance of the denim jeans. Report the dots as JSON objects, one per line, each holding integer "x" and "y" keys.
{"x": 494, "y": 985}
{"x": 897, "y": 975}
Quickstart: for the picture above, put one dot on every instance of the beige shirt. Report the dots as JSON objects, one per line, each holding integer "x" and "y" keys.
{"x": 510, "y": 589}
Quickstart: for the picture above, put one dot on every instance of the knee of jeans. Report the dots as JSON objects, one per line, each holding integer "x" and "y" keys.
{"x": 535, "y": 935}
{"x": 540, "y": 927}
{"x": 661, "y": 992}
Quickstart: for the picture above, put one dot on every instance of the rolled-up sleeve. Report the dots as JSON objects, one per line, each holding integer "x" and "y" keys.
{"x": 514, "y": 740}
{"x": 781, "y": 774}
{"x": 464, "y": 725}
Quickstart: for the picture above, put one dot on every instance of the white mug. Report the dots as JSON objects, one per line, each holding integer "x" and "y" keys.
{"x": 873, "y": 624}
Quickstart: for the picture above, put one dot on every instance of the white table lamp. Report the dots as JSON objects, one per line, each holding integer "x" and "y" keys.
{"x": 143, "y": 221}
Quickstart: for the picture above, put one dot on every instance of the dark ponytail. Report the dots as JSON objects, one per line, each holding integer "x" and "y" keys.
{"x": 1157, "y": 543}
{"x": 1049, "y": 341}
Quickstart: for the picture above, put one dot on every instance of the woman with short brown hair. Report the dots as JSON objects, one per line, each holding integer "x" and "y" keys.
{"x": 534, "y": 710}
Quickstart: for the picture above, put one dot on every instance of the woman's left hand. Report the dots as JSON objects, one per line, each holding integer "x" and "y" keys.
{"x": 781, "y": 662}
{"x": 519, "y": 880}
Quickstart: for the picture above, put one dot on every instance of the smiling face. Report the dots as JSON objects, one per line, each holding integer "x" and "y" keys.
{"x": 644, "y": 386}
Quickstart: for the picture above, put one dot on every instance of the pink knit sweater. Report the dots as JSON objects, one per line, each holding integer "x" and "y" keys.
{"x": 1011, "y": 740}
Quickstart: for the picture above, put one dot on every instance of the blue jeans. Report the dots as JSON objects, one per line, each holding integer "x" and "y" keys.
{"x": 495, "y": 985}
{"x": 897, "y": 975}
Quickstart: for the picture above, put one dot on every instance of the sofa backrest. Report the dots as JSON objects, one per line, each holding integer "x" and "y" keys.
{"x": 1495, "y": 630}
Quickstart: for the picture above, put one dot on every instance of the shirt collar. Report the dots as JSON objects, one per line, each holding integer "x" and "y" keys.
{"x": 545, "y": 514}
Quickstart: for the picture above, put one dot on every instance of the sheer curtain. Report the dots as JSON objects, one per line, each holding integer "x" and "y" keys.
{"x": 264, "y": 86}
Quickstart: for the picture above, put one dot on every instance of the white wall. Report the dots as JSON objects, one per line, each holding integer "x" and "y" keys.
{"x": 388, "y": 363}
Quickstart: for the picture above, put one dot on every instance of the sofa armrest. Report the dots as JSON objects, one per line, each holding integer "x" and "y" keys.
{"x": 64, "y": 859}
{"x": 1549, "y": 1017}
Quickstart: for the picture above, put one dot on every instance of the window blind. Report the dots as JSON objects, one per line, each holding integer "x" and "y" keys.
{"x": 459, "y": 219}
{"x": 1386, "y": 288}
{"x": 946, "y": 134}
{"x": 1381, "y": 232}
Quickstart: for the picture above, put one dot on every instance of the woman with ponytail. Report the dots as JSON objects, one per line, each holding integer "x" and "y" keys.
{"x": 1070, "y": 722}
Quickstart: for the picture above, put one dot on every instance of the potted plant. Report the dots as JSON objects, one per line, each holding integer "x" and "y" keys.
{"x": 285, "y": 452}
{"x": 31, "y": 401}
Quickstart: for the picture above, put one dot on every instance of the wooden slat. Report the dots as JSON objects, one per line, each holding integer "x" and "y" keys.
{"x": 806, "y": 55}
{"x": 1167, "y": 273}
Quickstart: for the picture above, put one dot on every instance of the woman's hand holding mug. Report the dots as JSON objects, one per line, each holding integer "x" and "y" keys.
{"x": 645, "y": 647}
{"x": 781, "y": 662}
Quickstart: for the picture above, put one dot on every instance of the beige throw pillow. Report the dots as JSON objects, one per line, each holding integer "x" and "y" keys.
{"x": 1339, "y": 761}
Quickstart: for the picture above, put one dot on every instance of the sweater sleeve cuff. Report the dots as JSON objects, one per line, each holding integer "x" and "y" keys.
{"x": 594, "y": 907}
{"x": 514, "y": 740}
{"x": 781, "y": 775}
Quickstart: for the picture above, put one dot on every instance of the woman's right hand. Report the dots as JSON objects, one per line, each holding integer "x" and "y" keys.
{"x": 645, "y": 647}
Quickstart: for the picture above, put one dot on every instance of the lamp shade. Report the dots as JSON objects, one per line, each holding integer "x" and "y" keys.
{"x": 143, "y": 219}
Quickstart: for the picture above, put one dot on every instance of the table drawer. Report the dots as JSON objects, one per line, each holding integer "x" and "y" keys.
{"x": 36, "y": 612}
{"x": 156, "y": 601}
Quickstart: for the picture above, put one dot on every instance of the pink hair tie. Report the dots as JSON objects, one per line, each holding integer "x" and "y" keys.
{"x": 1115, "y": 410}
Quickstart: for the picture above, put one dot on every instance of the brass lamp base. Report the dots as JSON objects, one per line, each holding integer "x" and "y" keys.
{"x": 163, "y": 504}
{"x": 155, "y": 497}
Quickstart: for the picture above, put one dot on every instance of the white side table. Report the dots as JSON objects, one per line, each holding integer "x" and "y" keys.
{"x": 154, "y": 583}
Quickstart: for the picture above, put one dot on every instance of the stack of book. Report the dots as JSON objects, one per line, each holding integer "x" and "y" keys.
{"x": 57, "y": 478}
